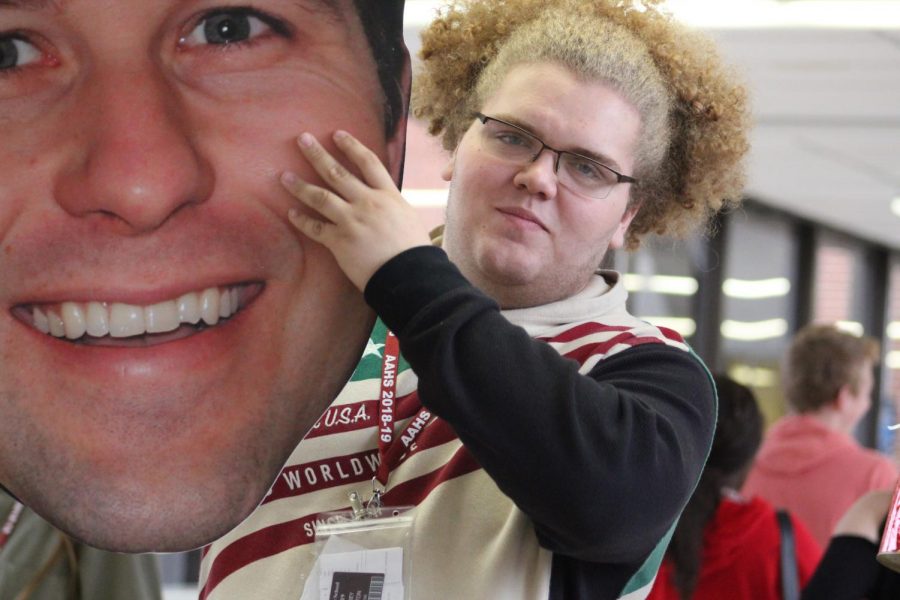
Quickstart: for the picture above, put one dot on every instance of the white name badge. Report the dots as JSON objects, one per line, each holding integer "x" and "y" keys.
{"x": 362, "y": 559}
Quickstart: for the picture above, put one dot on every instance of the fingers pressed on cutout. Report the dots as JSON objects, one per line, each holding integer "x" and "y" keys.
{"x": 329, "y": 169}
{"x": 329, "y": 205}
{"x": 312, "y": 228}
{"x": 373, "y": 170}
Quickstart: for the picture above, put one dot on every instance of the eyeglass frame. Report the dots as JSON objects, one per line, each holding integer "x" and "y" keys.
{"x": 620, "y": 178}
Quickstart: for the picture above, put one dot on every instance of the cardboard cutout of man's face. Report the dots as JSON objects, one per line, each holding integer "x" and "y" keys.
{"x": 166, "y": 337}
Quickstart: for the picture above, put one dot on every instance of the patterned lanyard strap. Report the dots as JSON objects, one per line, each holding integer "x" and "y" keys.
{"x": 389, "y": 452}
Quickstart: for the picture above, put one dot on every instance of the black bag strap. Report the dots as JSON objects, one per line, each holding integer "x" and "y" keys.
{"x": 790, "y": 584}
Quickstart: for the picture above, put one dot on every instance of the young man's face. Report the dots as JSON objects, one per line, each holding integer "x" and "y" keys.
{"x": 512, "y": 228}
{"x": 141, "y": 147}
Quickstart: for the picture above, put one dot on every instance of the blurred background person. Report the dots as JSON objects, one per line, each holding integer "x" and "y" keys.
{"x": 727, "y": 545}
{"x": 810, "y": 463}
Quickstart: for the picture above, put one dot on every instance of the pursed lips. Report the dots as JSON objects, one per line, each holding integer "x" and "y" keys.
{"x": 524, "y": 214}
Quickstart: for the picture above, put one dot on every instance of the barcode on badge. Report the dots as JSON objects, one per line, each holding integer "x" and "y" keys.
{"x": 357, "y": 586}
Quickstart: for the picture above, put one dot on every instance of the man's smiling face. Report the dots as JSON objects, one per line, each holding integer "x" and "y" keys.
{"x": 165, "y": 337}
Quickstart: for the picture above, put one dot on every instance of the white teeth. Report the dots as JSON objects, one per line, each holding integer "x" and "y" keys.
{"x": 225, "y": 304}
{"x": 189, "y": 309}
{"x": 98, "y": 319}
{"x": 73, "y": 320}
{"x": 209, "y": 306}
{"x": 40, "y": 320}
{"x": 57, "y": 327}
{"x": 126, "y": 320}
{"x": 161, "y": 317}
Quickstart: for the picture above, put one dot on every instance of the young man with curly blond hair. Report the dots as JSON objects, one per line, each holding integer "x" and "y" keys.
{"x": 547, "y": 439}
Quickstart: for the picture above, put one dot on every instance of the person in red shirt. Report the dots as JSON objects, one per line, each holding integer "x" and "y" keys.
{"x": 727, "y": 545}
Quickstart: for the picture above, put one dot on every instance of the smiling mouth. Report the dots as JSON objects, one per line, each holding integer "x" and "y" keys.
{"x": 99, "y": 323}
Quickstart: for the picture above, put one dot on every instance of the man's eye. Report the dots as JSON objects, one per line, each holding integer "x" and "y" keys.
{"x": 226, "y": 27}
{"x": 588, "y": 170}
{"x": 512, "y": 138}
{"x": 15, "y": 52}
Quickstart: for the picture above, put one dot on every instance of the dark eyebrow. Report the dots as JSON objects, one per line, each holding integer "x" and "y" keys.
{"x": 331, "y": 5}
{"x": 599, "y": 157}
{"x": 32, "y": 4}
{"x": 333, "y": 8}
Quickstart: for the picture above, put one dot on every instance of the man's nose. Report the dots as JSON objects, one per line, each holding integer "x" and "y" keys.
{"x": 538, "y": 177}
{"x": 134, "y": 157}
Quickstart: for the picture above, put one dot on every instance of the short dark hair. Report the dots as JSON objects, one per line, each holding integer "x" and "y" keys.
{"x": 382, "y": 21}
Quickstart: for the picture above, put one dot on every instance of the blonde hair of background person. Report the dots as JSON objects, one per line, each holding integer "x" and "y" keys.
{"x": 695, "y": 127}
{"x": 821, "y": 360}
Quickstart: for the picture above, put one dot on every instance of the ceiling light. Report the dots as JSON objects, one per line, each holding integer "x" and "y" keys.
{"x": 743, "y": 14}
{"x": 895, "y": 206}
{"x": 892, "y": 360}
{"x": 633, "y": 283}
{"x": 753, "y": 331}
{"x": 672, "y": 285}
{"x": 756, "y": 377}
{"x": 755, "y": 289}
{"x": 851, "y": 327}
{"x": 893, "y": 330}
{"x": 755, "y": 14}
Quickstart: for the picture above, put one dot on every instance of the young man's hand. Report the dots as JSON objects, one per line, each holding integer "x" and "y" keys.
{"x": 366, "y": 223}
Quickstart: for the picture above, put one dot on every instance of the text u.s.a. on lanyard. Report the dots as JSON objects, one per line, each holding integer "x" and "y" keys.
{"x": 11, "y": 519}
{"x": 389, "y": 452}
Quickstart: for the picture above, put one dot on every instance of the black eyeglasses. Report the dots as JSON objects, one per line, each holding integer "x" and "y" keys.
{"x": 579, "y": 173}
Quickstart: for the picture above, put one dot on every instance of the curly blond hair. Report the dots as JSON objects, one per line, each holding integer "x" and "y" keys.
{"x": 694, "y": 114}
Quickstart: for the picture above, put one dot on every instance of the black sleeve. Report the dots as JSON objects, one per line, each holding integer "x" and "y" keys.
{"x": 603, "y": 463}
{"x": 848, "y": 571}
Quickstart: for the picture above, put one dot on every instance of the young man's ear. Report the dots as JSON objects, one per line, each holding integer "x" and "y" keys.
{"x": 396, "y": 144}
{"x": 447, "y": 171}
{"x": 618, "y": 239}
{"x": 844, "y": 398}
{"x": 848, "y": 402}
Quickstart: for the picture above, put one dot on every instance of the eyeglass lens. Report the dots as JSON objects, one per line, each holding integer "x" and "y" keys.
{"x": 577, "y": 173}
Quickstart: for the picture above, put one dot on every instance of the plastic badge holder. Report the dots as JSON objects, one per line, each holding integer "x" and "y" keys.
{"x": 368, "y": 558}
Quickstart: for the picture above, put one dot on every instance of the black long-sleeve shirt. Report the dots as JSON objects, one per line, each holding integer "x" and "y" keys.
{"x": 601, "y": 462}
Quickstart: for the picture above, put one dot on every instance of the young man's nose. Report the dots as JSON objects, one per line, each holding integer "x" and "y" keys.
{"x": 538, "y": 177}
{"x": 136, "y": 158}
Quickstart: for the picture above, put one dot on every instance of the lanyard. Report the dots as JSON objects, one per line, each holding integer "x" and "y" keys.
{"x": 387, "y": 402}
{"x": 389, "y": 452}
{"x": 10, "y": 523}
